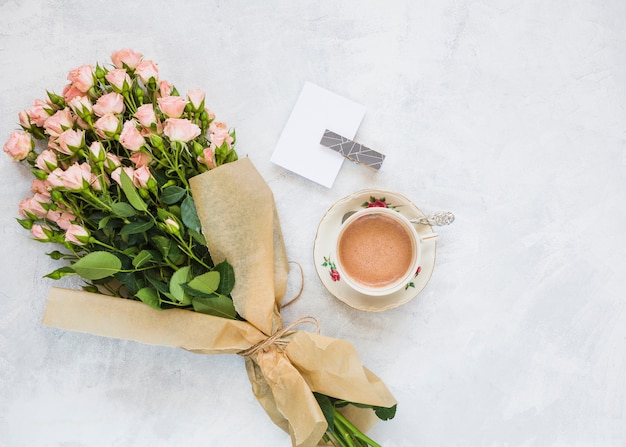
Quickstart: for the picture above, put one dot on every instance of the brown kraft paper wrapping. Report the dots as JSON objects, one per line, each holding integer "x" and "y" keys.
{"x": 240, "y": 224}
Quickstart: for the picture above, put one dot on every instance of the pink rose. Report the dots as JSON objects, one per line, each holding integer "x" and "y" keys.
{"x": 196, "y": 98}
{"x": 97, "y": 152}
{"x": 109, "y": 103}
{"x": 130, "y": 137}
{"x": 207, "y": 158}
{"x": 54, "y": 178}
{"x": 119, "y": 78}
{"x": 70, "y": 92}
{"x": 47, "y": 160}
{"x": 59, "y": 122}
{"x": 62, "y": 218}
{"x": 65, "y": 220}
{"x": 126, "y": 57}
{"x": 40, "y": 186}
{"x": 53, "y": 144}
{"x": 81, "y": 105}
{"x": 180, "y": 129}
{"x": 172, "y": 106}
{"x": 218, "y": 133}
{"x": 140, "y": 158}
{"x": 24, "y": 119}
{"x": 77, "y": 235}
{"x": 98, "y": 182}
{"x": 19, "y": 145}
{"x": 116, "y": 174}
{"x": 77, "y": 177}
{"x": 146, "y": 116}
{"x": 209, "y": 113}
{"x": 112, "y": 162}
{"x": 41, "y": 232}
{"x": 33, "y": 207}
{"x": 147, "y": 70}
{"x": 107, "y": 126}
{"x": 82, "y": 77}
{"x": 165, "y": 88}
{"x": 71, "y": 140}
{"x": 38, "y": 114}
{"x": 142, "y": 176}
{"x": 171, "y": 226}
{"x": 82, "y": 124}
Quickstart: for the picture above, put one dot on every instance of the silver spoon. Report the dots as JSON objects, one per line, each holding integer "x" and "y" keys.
{"x": 440, "y": 218}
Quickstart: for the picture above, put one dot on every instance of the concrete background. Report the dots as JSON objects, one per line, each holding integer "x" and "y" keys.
{"x": 509, "y": 113}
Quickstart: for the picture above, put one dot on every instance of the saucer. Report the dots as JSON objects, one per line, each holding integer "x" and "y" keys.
{"x": 324, "y": 249}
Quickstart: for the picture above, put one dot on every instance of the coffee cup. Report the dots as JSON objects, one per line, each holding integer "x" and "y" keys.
{"x": 378, "y": 251}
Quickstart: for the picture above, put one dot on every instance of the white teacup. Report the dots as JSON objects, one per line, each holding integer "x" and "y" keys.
{"x": 378, "y": 251}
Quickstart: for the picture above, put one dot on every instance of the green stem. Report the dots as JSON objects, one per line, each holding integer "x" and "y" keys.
{"x": 334, "y": 440}
{"x": 355, "y": 431}
{"x": 344, "y": 435}
{"x": 174, "y": 165}
{"x": 93, "y": 240}
{"x": 95, "y": 201}
{"x": 189, "y": 252}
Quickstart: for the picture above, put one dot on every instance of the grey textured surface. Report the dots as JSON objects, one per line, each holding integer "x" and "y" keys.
{"x": 510, "y": 114}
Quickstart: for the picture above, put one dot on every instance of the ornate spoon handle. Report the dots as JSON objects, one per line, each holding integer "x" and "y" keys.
{"x": 439, "y": 218}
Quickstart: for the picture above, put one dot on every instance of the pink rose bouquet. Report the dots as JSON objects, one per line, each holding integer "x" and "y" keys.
{"x": 112, "y": 157}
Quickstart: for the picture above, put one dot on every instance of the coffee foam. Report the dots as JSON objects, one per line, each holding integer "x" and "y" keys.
{"x": 375, "y": 251}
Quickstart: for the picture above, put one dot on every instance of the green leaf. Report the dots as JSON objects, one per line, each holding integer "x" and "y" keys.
{"x": 197, "y": 237}
{"x": 131, "y": 192}
{"x": 60, "y": 273}
{"x": 206, "y": 283}
{"x": 162, "y": 244}
{"x": 149, "y": 296}
{"x": 102, "y": 223}
{"x": 142, "y": 257}
{"x": 97, "y": 265}
{"x": 328, "y": 410}
{"x": 137, "y": 227}
{"x": 189, "y": 215}
{"x": 385, "y": 413}
{"x": 180, "y": 277}
{"x": 217, "y": 305}
{"x": 123, "y": 209}
{"x": 156, "y": 283}
{"x": 172, "y": 194}
{"x": 176, "y": 255}
{"x": 131, "y": 252}
{"x": 130, "y": 281}
{"x": 227, "y": 277}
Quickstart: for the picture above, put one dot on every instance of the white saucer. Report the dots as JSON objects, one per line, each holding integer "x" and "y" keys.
{"x": 324, "y": 248}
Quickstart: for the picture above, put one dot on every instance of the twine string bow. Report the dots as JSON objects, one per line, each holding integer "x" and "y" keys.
{"x": 280, "y": 337}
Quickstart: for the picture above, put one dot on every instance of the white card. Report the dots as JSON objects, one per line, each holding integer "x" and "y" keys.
{"x": 299, "y": 149}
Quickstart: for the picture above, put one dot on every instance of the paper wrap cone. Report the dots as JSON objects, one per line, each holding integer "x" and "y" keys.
{"x": 240, "y": 224}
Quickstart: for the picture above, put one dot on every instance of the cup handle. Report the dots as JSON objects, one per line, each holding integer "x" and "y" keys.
{"x": 428, "y": 237}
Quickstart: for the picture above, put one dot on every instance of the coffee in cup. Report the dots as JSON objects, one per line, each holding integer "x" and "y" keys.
{"x": 378, "y": 251}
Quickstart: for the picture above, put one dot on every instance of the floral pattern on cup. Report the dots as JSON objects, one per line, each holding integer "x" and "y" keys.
{"x": 412, "y": 284}
{"x": 334, "y": 273}
{"x": 377, "y": 203}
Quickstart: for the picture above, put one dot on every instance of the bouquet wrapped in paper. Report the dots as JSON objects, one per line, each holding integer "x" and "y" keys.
{"x": 134, "y": 186}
